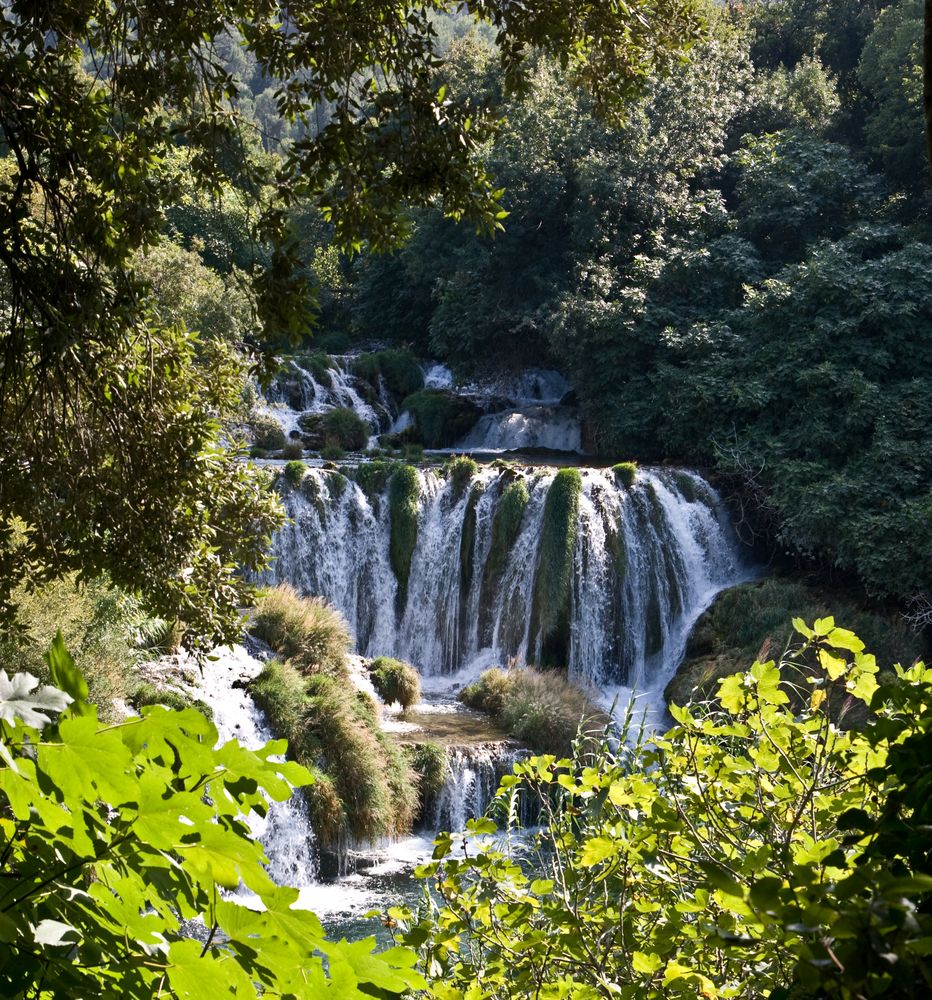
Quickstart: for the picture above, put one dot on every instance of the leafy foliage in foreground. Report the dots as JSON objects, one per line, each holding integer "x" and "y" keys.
{"x": 112, "y": 836}
{"x": 749, "y": 852}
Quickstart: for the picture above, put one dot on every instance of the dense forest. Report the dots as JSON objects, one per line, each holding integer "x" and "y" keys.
{"x": 714, "y": 220}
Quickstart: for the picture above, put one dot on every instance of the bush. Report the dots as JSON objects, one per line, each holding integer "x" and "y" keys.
{"x": 294, "y": 473}
{"x": 413, "y": 453}
{"x": 395, "y": 681}
{"x": 344, "y": 428}
{"x": 267, "y": 433}
{"x": 373, "y": 477}
{"x": 369, "y": 790}
{"x": 318, "y": 364}
{"x": 540, "y": 708}
{"x": 550, "y": 612}
{"x": 404, "y": 492}
{"x": 441, "y": 418}
{"x": 293, "y": 450}
{"x": 305, "y": 630}
{"x": 754, "y": 850}
{"x": 333, "y": 453}
{"x": 625, "y": 473}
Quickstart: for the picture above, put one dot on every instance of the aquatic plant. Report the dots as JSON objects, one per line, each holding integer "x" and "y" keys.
{"x": 460, "y": 470}
{"x": 625, "y": 473}
{"x": 294, "y": 472}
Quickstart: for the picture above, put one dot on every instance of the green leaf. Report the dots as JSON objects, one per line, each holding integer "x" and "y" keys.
{"x": 65, "y": 675}
{"x": 596, "y": 850}
{"x": 646, "y": 964}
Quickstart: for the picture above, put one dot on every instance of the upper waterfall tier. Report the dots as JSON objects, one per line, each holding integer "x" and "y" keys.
{"x": 461, "y": 568}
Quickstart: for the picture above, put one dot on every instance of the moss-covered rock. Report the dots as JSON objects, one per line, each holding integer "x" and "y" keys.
{"x": 340, "y": 427}
{"x": 553, "y": 582}
{"x": 506, "y": 526}
{"x": 753, "y": 620}
{"x": 441, "y": 418}
{"x": 404, "y": 492}
{"x": 461, "y": 470}
{"x": 399, "y": 368}
{"x": 625, "y": 474}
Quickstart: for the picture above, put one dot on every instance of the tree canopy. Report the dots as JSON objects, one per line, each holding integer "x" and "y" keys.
{"x": 110, "y": 113}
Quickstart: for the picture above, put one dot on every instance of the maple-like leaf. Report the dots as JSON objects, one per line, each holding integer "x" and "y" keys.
{"x": 21, "y": 698}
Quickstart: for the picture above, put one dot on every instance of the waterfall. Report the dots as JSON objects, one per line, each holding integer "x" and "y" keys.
{"x": 647, "y": 560}
{"x": 286, "y": 831}
{"x": 550, "y": 428}
{"x": 475, "y": 772}
{"x": 300, "y": 390}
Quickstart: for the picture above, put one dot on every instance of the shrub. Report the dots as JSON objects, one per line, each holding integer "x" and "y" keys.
{"x": 441, "y": 418}
{"x": 461, "y": 470}
{"x": 293, "y": 450}
{"x": 550, "y": 612}
{"x": 344, "y": 428}
{"x": 625, "y": 473}
{"x": 373, "y": 477}
{"x": 255, "y": 452}
{"x": 540, "y": 708}
{"x": 754, "y": 850}
{"x": 395, "y": 681}
{"x": 413, "y": 453}
{"x": 305, "y": 630}
{"x": 404, "y": 492}
{"x": 267, "y": 433}
{"x": 294, "y": 473}
{"x": 332, "y": 453}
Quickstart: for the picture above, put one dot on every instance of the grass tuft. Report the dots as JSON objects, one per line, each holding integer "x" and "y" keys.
{"x": 461, "y": 470}
{"x": 540, "y": 708}
{"x": 625, "y": 473}
{"x": 396, "y": 681}
{"x": 305, "y": 630}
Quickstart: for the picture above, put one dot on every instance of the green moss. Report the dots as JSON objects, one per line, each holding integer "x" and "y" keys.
{"x": 541, "y": 708}
{"x": 399, "y": 368}
{"x": 441, "y": 418}
{"x": 404, "y": 491}
{"x": 318, "y": 364}
{"x": 460, "y": 470}
{"x": 625, "y": 473}
{"x": 367, "y": 788}
{"x": 294, "y": 473}
{"x": 468, "y": 542}
{"x": 307, "y": 631}
{"x": 552, "y": 586}
{"x": 336, "y": 485}
{"x": 506, "y": 526}
{"x": 395, "y": 681}
{"x": 754, "y": 619}
{"x": 148, "y": 694}
{"x": 373, "y": 477}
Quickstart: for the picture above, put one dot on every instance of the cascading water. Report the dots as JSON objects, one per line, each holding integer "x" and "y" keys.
{"x": 315, "y": 389}
{"x": 647, "y": 560}
{"x": 286, "y": 832}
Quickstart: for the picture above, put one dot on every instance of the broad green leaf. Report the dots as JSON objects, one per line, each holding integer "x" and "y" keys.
{"x": 65, "y": 675}
{"x": 596, "y": 850}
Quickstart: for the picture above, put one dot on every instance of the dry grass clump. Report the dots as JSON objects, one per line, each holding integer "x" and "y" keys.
{"x": 304, "y": 630}
{"x": 541, "y": 708}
